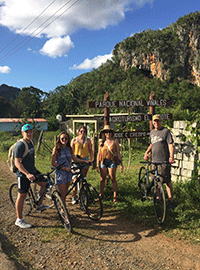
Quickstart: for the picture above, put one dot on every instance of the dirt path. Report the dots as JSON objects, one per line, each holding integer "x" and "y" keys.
{"x": 111, "y": 243}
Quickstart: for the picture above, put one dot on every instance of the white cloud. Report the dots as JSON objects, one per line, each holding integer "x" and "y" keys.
{"x": 57, "y": 47}
{"x": 20, "y": 17}
{"x": 93, "y": 63}
{"x": 89, "y": 14}
{"x": 5, "y": 69}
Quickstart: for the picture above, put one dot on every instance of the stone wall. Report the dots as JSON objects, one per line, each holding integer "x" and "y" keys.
{"x": 184, "y": 153}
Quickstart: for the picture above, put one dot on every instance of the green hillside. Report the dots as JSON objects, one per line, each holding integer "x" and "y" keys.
{"x": 164, "y": 61}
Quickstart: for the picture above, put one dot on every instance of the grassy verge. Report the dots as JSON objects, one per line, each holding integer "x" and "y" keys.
{"x": 182, "y": 223}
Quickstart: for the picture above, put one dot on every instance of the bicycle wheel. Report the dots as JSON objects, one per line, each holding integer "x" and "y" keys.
{"x": 142, "y": 183}
{"x": 159, "y": 202}
{"x": 28, "y": 203}
{"x": 47, "y": 197}
{"x": 82, "y": 199}
{"x": 91, "y": 201}
{"x": 62, "y": 211}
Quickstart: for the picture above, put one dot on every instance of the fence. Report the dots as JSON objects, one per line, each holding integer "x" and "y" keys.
{"x": 184, "y": 153}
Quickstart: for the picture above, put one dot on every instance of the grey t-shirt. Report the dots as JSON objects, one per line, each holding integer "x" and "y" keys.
{"x": 29, "y": 160}
{"x": 160, "y": 140}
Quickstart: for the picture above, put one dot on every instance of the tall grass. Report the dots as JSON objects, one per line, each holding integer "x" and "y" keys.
{"x": 183, "y": 222}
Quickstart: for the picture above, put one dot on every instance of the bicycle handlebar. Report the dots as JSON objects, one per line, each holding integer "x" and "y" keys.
{"x": 155, "y": 163}
{"x": 38, "y": 176}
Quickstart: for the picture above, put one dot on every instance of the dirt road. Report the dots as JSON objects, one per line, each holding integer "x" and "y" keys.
{"x": 111, "y": 243}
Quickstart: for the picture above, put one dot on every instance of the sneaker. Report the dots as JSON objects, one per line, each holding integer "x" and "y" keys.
{"x": 172, "y": 205}
{"x": 74, "y": 200}
{"x": 22, "y": 224}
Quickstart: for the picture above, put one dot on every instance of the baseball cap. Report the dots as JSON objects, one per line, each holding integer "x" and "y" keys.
{"x": 26, "y": 127}
{"x": 156, "y": 117}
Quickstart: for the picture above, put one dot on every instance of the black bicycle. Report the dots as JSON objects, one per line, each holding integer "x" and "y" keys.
{"x": 153, "y": 189}
{"x": 51, "y": 198}
{"x": 88, "y": 197}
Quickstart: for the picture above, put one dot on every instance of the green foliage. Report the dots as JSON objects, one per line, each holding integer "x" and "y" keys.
{"x": 187, "y": 196}
{"x": 184, "y": 221}
{"x": 169, "y": 45}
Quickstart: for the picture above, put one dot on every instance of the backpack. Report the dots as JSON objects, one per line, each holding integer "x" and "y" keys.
{"x": 11, "y": 159}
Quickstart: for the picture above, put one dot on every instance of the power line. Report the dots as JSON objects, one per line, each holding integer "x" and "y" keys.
{"x": 27, "y": 26}
{"x": 2, "y": 59}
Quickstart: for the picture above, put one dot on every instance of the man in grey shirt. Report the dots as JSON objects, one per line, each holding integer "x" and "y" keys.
{"x": 162, "y": 150}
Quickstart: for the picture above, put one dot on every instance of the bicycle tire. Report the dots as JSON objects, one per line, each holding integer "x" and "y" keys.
{"x": 82, "y": 199}
{"x": 159, "y": 202}
{"x": 91, "y": 202}
{"x": 28, "y": 203}
{"x": 142, "y": 183}
{"x": 62, "y": 211}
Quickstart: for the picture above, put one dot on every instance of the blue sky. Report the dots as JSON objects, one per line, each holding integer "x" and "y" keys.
{"x": 47, "y": 43}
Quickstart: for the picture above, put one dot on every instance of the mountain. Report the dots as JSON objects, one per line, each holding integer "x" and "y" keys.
{"x": 9, "y": 92}
{"x": 170, "y": 53}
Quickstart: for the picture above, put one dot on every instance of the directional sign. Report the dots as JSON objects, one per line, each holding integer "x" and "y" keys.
{"x": 131, "y": 134}
{"x": 124, "y": 118}
{"x": 129, "y": 103}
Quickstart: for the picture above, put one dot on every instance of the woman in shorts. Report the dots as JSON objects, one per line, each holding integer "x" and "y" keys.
{"x": 108, "y": 153}
{"x": 62, "y": 152}
{"x": 82, "y": 148}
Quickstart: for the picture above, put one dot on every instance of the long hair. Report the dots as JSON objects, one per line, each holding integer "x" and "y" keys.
{"x": 103, "y": 137}
{"x": 84, "y": 127}
{"x": 58, "y": 145}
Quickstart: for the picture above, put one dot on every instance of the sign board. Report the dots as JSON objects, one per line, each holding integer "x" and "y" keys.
{"x": 129, "y": 103}
{"x": 124, "y": 118}
{"x": 131, "y": 134}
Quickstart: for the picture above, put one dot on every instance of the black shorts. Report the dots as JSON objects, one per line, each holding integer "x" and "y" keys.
{"x": 24, "y": 183}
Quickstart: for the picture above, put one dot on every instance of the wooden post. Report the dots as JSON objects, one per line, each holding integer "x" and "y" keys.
{"x": 151, "y": 109}
{"x": 106, "y": 110}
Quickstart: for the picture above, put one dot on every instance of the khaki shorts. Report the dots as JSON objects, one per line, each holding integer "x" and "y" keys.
{"x": 164, "y": 171}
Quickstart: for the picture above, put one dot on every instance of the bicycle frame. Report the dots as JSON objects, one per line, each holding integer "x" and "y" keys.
{"x": 80, "y": 179}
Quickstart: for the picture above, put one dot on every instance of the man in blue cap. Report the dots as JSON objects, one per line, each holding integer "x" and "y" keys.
{"x": 26, "y": 171}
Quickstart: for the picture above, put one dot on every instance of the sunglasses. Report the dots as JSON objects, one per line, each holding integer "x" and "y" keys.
{"x": 82, "y": 131}
{"x": 109, "y": 131}
{"x": 64, "y": 139}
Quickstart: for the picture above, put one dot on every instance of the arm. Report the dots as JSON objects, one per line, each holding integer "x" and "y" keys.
{"x": 146, "y": 154}
{"x": 54, "y": 162}
{"x": 90, "y": 150}
{"x": 171, "y": 152}
{"x": 73, "y": 145}
{"x": 20, "y": 167}
{"x": 79, "y": 160}
{"x": 98, "y": 158}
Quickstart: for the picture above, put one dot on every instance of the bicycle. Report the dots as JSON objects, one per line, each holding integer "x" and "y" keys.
{"x": 145, "y": 185}
{"x": 50, "y": 193}
{"x": 88, "y": 197}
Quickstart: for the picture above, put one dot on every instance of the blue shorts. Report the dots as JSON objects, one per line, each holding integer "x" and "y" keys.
{"x": 108, "y": 164}
{"x": 86, "y": 166}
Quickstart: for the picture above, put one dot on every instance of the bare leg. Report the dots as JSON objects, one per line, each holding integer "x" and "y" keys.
{"x": 112, "y": 173}
{"x": 42, "y": 185}
{"x": 63, "y": 190}
{"x": 169, "y": 190}
{"x": 19, "y": 204}
{"x": 103, "y": 172}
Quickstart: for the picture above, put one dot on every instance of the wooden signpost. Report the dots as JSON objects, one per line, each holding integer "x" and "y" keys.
{"x": 124, "y": 118}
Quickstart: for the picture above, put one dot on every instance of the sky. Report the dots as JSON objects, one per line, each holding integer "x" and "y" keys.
{"x": 48, "y": 43}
